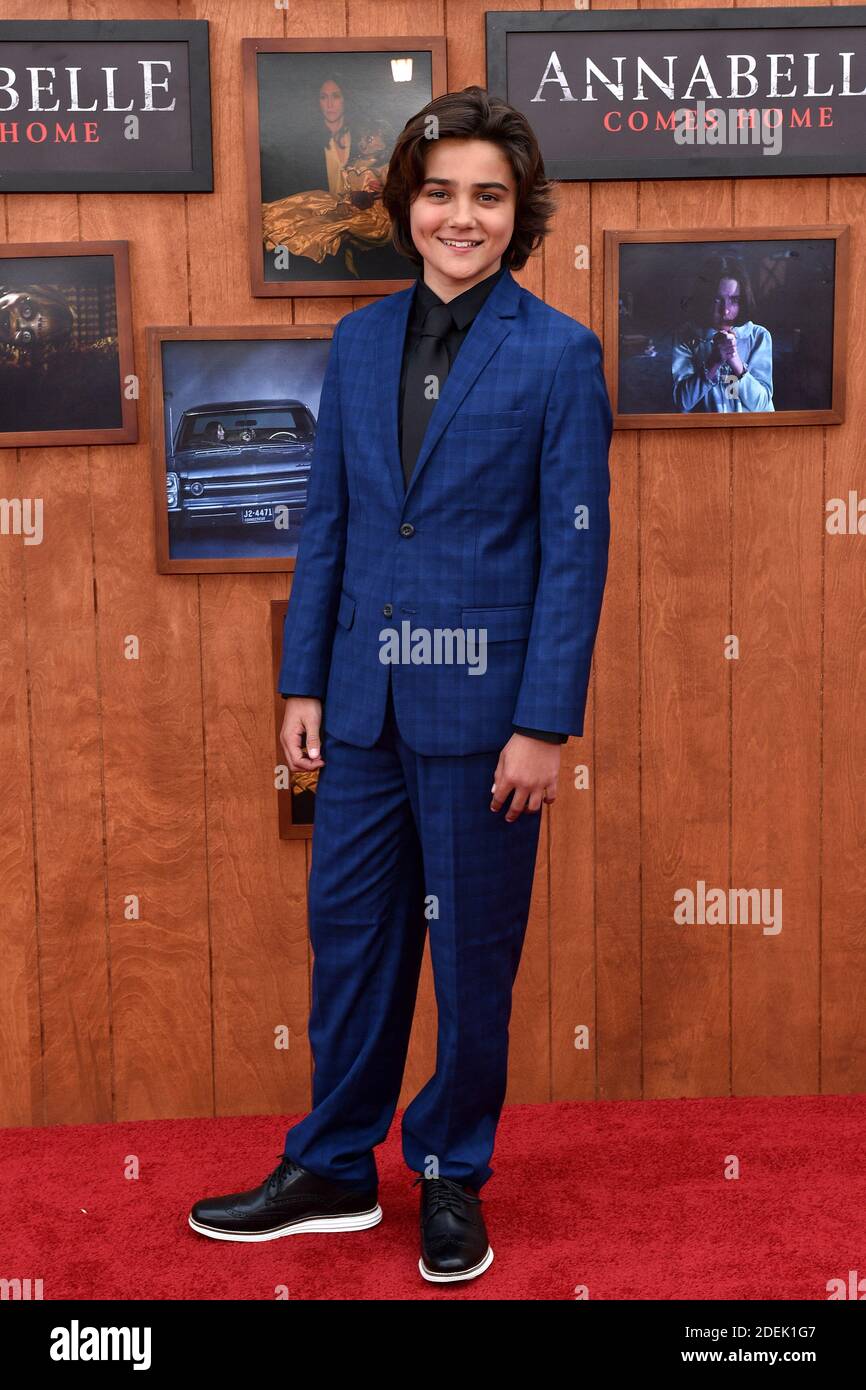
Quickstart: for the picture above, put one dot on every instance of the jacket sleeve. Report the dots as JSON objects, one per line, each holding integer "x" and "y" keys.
{"x": 308, "y": 632}
{"x": 574, "y": 535}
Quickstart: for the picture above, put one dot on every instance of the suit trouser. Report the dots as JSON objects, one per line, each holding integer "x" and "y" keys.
{"x": 392, "y": 827}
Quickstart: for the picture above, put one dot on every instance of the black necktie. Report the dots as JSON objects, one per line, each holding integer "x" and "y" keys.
{"x": 429, "y": 359}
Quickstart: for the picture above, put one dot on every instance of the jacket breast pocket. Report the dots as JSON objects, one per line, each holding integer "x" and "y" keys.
{"x": 489, "y": 421}
{"x": 500, "y": 624}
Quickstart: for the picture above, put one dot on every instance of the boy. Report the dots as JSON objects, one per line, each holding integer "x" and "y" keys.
{"x": 443, "y": 613}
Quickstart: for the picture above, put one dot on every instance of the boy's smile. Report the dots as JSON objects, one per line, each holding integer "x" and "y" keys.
{"x": 462, "y": 219}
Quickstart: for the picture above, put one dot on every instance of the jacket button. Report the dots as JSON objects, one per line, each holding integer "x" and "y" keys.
{"x": 407, "y": 529}
{"x": 388, "y": 610}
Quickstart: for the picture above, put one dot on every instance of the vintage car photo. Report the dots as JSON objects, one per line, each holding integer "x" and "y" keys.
{"x": 239, "y": 464}
{"x": 234, "y": 414}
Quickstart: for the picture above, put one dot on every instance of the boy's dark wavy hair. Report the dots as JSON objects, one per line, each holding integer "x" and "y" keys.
{"x": 472, "y": 115}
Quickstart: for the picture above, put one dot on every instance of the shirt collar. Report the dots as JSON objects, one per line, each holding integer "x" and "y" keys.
{"x": 465, "y": 306}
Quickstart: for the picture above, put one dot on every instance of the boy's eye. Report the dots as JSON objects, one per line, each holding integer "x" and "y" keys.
{"x": 434, "y": 192}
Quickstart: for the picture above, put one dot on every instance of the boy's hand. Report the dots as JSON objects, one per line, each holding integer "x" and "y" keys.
{"x": 302, "y": 719}
{"x": 529, "y": 767}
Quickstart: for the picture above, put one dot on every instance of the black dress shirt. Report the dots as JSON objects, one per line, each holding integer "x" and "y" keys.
{"x": 464, "y": 308}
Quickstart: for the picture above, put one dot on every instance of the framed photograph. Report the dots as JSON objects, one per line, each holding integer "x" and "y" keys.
{"x": 687, "y": 94}
{"x": 67, "y": 374}
{"x": 233, "y": 426}
{"x": 296, "y": 791}
{"x": 105, "y": 106}
{"x": 726, "y": 328}
{"x": 321, "y": 117}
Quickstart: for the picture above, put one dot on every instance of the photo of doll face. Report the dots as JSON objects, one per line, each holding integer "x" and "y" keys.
{"x": 371, "y": 142}
{"x": 60, "y": 350}
{"x": 34, "y": 316}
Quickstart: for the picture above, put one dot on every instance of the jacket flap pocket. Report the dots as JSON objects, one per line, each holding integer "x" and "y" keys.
{"x": 500, "y": 624}
{"x": 489, "y": 419}
{"x": 346, "y": 610}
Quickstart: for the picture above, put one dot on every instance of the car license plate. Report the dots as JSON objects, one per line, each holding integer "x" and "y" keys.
{"x": 257, "y": 514}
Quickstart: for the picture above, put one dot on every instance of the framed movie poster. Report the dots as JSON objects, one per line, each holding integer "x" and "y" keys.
{"x": 104, "y": 106}
{"x": 687, "y": 94}
{"x": 233, "y": 428}
{"x": 726, "y": 327}
{"x": 321, "y": 118}
{"x": 67, "y": 374}
{"x": 296, "y": 791}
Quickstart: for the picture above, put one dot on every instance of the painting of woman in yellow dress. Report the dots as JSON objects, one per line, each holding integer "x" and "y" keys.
{"x": 318, "y": 222}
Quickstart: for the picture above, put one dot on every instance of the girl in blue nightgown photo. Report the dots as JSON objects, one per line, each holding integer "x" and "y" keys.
{"x": 722, "y": 360}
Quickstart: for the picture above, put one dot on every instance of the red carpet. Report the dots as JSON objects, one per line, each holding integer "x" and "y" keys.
{"x": 626, "y": 1197}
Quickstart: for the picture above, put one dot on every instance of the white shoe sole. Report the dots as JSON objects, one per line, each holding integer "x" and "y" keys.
{"x": 472, "y": 1273}
{"x": 357, "y": 1221}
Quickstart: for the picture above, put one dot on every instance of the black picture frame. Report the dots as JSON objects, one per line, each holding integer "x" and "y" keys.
{"x": 502, "y": 23}
{"x": 192, "y": 32}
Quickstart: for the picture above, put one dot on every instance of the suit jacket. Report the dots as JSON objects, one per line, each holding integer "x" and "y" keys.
{"x": 489, "y": 541}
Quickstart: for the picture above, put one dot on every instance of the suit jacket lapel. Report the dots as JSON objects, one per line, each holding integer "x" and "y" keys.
{"x": 491, "y": 325}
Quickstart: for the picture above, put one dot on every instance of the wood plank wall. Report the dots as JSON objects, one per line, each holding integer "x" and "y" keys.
{"x": 154, "y": 777}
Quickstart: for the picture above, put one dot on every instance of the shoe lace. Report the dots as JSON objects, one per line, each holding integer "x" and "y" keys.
{"x": 446, "y": 1192}
{"x": 286, "y": 1165}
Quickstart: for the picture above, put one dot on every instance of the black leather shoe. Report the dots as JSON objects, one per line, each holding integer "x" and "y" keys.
{"x": 290, "y": 1201}
{"x": 454, "y": 1241}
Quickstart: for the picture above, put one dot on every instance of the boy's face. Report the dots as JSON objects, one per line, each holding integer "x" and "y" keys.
{"x": 469, "y": 194}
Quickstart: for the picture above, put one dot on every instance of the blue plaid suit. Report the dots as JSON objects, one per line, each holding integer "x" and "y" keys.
{"x": 504, "y": 530}
{"x": 518, "y": 439}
